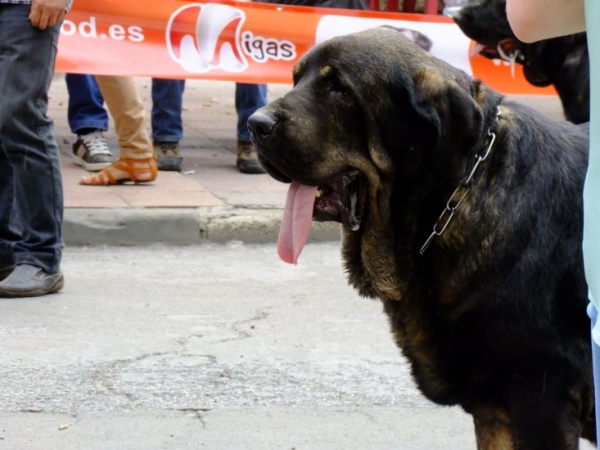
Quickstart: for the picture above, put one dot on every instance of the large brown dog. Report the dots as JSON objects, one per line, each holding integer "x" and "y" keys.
{"x": 486, "y": 300}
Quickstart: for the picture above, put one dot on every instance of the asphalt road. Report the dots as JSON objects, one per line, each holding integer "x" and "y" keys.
{"x": 212, "y": 347}
{"x": 209, "y": 347}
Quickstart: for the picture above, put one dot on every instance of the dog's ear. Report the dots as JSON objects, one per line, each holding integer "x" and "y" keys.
{"x": 425, "y": 118}
{"x": 418, "y": 109}
{"x": 450, "y": 118}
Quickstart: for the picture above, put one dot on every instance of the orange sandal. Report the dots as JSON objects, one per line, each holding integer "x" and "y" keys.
{"x": 122, "y": 171}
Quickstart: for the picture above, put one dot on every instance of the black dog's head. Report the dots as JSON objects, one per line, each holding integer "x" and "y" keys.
{"x": 485, "y": 22}
{"x": 365, "y": 110}
{"x": 562, "y": 61}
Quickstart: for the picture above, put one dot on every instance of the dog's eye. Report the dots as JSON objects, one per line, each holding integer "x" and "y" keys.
{"x": 340, "y": 90}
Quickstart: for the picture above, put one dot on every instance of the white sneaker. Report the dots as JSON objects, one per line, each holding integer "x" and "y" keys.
{"x": 91, "y": 152}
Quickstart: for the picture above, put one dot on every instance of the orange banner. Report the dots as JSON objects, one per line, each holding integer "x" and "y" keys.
{"x": 240, "y": 41}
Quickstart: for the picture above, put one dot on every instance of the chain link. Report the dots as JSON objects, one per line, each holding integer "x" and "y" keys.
{"x": 459, "y": 193}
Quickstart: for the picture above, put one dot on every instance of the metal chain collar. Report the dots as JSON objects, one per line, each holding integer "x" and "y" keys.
{"x": 460, "y": 192}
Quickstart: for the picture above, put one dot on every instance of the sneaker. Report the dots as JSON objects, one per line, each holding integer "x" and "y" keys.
{"x": 30, "y": 281}
{"x": 247, "y": 160}
{"x": 91, "y": 152}
{"x": 167, "y": 155}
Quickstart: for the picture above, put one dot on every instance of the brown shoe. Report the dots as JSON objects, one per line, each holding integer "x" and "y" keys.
{"x": 247, "y": 160}
{"x": 167, "y": 155}
{"x": 123, "y": 171}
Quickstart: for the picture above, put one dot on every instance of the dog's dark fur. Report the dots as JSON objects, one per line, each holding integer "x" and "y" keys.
{"x": 562, "y": 62}
{"x": 492, "y": 315}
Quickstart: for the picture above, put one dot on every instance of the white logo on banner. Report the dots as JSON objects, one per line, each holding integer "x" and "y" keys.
{"x": 203, "y": 37}
{"x": 215, "y": 42}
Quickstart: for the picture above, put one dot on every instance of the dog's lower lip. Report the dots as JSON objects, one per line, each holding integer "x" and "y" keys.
{"x": 279, "y": 176}
{"x": 273, "y": 171}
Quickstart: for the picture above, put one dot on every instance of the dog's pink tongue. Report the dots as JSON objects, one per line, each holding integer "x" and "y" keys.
{"x": 297, "y": 218}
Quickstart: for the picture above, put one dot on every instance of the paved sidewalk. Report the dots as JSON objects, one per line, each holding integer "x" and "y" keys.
{"x": 208, "y": 200}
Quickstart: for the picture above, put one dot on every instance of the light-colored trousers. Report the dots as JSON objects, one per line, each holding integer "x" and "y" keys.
{"x": 125, "y": 106}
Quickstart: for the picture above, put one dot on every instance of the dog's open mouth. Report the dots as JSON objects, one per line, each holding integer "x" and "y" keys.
{"x": 503, "y": 49}
{"x": 342, "y": 199}
{"x": 507, "y": 50}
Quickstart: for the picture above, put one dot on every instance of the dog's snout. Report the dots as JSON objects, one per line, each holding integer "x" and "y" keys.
{"x": 261, "y": 125}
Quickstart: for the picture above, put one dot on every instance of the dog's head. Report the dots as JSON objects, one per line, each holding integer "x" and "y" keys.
{"x": 561, "y": 61}
{"x": 367, "y": 110}
{"x": 485, "y": 22}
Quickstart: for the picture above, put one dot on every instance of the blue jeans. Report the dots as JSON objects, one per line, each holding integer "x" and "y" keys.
{"x": 248, "y": 98}
{"x": 31, "y": 197}
{"x": 86, "y": 104}
{"x": 167, "y": 98}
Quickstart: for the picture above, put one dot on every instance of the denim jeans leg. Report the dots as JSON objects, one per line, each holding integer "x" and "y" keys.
{"x": 9, "y": 235}
{"x": 27, "y": 142}
{"x": 167, "y": 99}
{"x": 86, "y": 105}
{"x": 248, "y": 98}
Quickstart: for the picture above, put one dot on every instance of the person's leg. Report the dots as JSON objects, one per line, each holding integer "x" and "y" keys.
{"x": 33, "y": 186}
{"x": 88, "y": 119}
{"x": 8, "y": 234}
{"x": 86, "y": 105}
{"x": 125, "y": 106}
{"x": 167, "y": 104}
{"x": 167, "y": 124}
{"x": 248, "y": 98}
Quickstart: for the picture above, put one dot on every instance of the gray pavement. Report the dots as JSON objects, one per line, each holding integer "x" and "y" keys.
{"x": 212, "y": 347}
{"x": 209, "y": 347}
{"x": 209, "y": 201}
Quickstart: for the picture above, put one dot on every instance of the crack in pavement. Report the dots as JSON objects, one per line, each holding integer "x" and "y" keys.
{"x": 197, "y": 413}
{"x": 260, "y": 315}
{"x": 101, "y": 375}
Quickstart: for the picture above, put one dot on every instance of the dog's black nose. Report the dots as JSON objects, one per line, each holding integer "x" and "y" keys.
{"x": 261, "y": 125}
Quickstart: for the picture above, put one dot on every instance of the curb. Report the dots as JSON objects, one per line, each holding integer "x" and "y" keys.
{"x": 180, "y": 226}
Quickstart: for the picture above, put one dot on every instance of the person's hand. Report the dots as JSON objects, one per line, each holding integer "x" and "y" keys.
{"x": 47, "y": 13}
